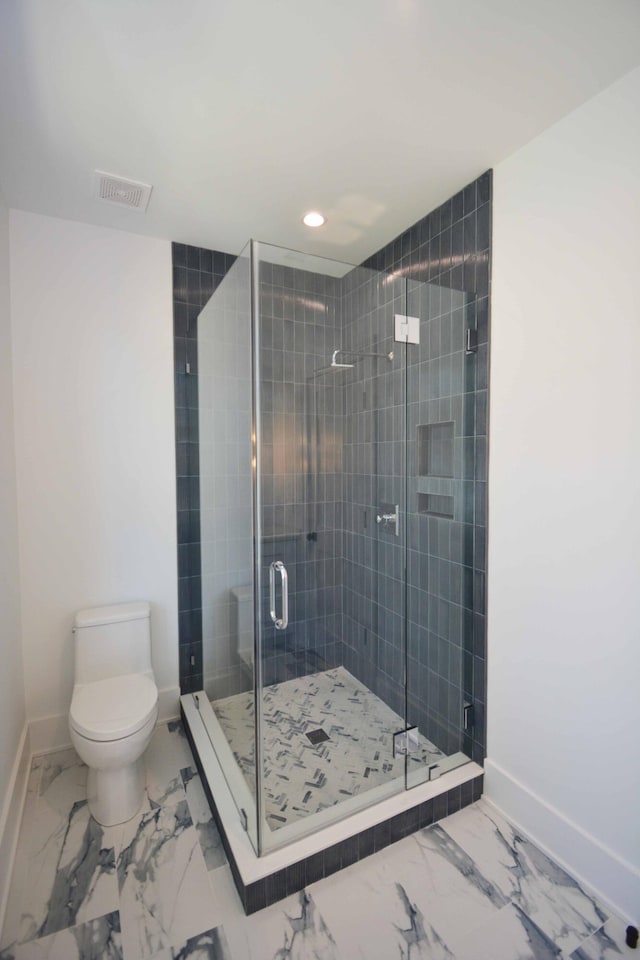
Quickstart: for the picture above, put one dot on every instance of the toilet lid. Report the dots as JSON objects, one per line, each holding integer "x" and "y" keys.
{"x": 114, "y": 708}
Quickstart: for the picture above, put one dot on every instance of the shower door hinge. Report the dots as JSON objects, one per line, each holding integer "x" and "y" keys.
{"x": 471, "y": 341}
{"x": 187, "y": 368}
{"x": 407, "y": 329}
{"x": 406, "y": 741}
{"x": 467, "y": 715}
{"x": 244, "y": 820}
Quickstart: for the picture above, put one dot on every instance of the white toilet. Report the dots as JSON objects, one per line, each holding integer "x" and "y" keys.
{"x": 114, "y": 707}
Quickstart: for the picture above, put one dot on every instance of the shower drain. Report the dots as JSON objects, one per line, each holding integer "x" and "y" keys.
{"x": 317, "y": 736}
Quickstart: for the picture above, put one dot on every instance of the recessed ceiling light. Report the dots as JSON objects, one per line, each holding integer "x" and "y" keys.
{"x": 313, "y": 219}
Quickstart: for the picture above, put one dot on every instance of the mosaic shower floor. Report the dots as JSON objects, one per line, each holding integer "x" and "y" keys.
{"x": 302, "y": 777}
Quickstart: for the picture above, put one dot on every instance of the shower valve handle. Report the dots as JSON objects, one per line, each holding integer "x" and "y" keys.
{"x": 389, "y": 517}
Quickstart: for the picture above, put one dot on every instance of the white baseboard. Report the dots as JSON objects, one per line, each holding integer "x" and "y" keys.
{"x": 11, "y": 816}
{"x": 612, "y": 879}
{"x": 49, "y": 734}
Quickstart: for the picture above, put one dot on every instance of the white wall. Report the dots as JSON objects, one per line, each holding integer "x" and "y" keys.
{"x": 12, "y": 702}
{"x": 564, "y": 535}
{"x": 93, "y": 371}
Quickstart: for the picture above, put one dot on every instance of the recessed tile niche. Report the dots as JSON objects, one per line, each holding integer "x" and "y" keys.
{"x": 435, "y": 449}
{"x": 435, "y": 505}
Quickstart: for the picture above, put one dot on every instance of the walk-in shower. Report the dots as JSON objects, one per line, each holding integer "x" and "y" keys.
{"x": 337, "y": 498}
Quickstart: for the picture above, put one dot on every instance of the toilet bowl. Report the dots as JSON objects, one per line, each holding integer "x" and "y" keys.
{"x": 114, "y": 707}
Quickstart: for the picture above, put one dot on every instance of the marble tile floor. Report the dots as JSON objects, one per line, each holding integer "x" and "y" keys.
{"x": 300, "y": 777}
{"x": 159, "y": 888}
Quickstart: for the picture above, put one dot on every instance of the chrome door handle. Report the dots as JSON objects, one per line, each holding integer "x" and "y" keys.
{"x": 386, "y": 518}
{"x": 278, "y": 566}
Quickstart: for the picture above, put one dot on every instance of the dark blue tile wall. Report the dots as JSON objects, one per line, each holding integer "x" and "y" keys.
{"x": 301, "y": 453}
{"x": 446, "y": 259}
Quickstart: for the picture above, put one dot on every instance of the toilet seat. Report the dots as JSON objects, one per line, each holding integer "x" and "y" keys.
{"x": 113, "y": 709}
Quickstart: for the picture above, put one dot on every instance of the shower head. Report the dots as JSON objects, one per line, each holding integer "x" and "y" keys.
{"x": 340, "y": 366}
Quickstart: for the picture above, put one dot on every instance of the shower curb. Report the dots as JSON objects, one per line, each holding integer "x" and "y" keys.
{"x": 290, "y": 879}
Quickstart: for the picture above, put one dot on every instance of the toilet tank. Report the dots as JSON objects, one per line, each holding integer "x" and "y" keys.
{"x": 242, "y": 611}
{"x": 112, "y": 641}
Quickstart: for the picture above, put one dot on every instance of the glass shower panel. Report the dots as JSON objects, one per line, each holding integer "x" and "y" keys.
{"x": 226, "y": 507}
{"x": 375, "y": 495}
{"x": 328, "y": 703}
{"x": 440, "y": 505}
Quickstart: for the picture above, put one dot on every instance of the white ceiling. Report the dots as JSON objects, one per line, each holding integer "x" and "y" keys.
{"x": 243, "y": 114}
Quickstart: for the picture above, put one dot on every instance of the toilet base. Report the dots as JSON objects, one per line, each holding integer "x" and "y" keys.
{"x": 116, "y": 795}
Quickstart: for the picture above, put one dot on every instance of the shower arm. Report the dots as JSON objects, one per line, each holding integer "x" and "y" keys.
{"x": 337, "y": 365}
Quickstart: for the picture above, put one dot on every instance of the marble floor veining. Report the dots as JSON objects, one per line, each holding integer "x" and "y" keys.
{"x": 159, "y": 888}
{"x": 301, "y": 777}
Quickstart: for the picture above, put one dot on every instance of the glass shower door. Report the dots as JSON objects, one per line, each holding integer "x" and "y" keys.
{"x": 329, "y": 555}
{"x": 226, "y": 533}
{"x": 440, "y": 526}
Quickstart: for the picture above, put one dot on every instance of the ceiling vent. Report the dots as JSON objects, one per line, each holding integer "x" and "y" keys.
{"x": 124, "y": 193}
